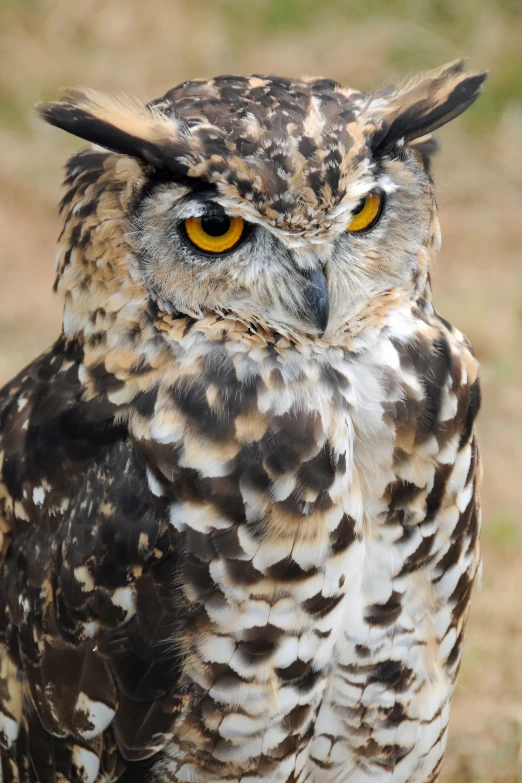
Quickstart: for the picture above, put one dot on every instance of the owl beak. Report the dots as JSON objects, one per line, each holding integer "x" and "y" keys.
{"x": 317, "y": 300}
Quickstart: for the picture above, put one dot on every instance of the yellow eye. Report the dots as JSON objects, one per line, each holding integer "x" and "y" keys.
{"x": 367, "y": 213}
{"x": 214, "y": 233}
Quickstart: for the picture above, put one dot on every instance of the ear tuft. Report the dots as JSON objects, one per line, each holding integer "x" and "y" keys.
{"x": 116, "y": 122}
{"x": 422, "y": 104}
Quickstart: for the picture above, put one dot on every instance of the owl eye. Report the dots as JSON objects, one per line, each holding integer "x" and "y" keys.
{"x": 214, "y": 234}
{"x": 366, "y": 214}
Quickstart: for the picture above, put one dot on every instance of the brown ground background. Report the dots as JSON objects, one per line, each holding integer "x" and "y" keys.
{"x": 145, "y": 47}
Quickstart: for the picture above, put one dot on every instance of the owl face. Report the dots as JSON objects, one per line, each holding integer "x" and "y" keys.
{"x": 201, "y": 252}
{"x": 290, "y": 204}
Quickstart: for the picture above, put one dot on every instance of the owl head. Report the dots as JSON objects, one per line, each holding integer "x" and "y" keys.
{"x": 294, "y": 205}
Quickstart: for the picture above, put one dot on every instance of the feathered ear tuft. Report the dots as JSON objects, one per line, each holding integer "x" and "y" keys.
{"x": 420, "y": 106}
{"x": 116, "y": 122}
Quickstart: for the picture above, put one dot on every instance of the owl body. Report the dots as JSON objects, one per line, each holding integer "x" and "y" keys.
{"x": 321, "y": 594}
{"x": 239, "y": 514}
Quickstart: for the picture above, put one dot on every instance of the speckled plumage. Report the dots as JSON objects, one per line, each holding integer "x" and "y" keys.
{"x": 233, "y": 548}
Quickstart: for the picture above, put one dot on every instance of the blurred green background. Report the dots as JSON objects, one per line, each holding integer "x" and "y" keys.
{"x": 147, "y": 47}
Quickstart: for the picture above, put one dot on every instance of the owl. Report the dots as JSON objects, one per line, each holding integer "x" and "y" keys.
{"x": 238, "y": 496}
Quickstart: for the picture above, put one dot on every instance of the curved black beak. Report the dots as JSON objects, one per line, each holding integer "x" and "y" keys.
{"x": 316, "y": 299}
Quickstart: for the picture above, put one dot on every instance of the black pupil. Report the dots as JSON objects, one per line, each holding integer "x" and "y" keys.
{"x": 215, "y": 225}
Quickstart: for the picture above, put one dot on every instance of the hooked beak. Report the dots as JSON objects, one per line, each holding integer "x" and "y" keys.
{"x": 316, "y": 299}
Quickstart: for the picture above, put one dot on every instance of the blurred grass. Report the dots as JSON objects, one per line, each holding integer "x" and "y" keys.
{"x": 503, "y": 532}
{"x": 145, "y": 48}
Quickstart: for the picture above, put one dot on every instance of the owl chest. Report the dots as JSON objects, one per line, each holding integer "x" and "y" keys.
{"x": 275, "y": 465}
{"x": 270, "y": 509}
